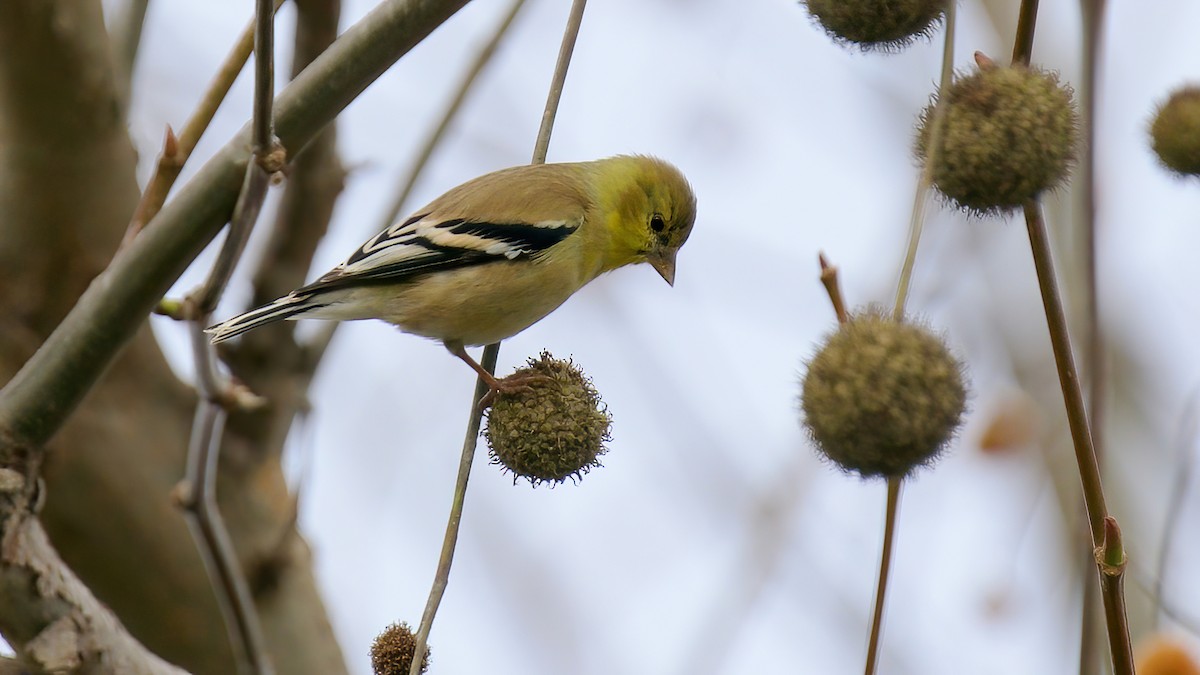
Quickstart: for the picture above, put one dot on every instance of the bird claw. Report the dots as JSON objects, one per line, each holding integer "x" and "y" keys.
{"x": 513, "y": 384}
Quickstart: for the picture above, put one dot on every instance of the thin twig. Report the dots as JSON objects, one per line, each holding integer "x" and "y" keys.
{"x": 1085, "y": 455}
{"x": 542, "y": 146}
{"x": 178, "y": 148}
{"x": 1094, "y": 357}
{"x": 197, "y": 497}
{"x": 491, "y": 354}
{"x": 254, "y": 190}
{"x": 894, "y": 484}
{"x": 441, "y": 578}
{"x": 934, "y": 149}
{"x": 200, "y": 493}
{"x": 465, "y": 85}
{"x": 916, "y": 224}
{"x": 1093, "y": 490}
{"x": 1109, "y": 551}
{"x": 316, "y": 346}
{"x": 270, "y": 360}
{"x": 1093, "y": 19}
{"x": 1026, "y": 22}
{"x": 1111, "y": 556}
{"x": 264, "y": 76}
{"x": 36, "y": 402}
{"x": 829, "y": 279}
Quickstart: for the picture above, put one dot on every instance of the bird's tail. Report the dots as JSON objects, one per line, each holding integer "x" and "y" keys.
{"x": 287, "y": 307}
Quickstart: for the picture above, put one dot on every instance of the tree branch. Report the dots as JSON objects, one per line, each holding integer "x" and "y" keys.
{"x": 269, "y": 360}
{"x": 35, "y": 39}
{"x": 50, "y": 385}
{"x": 54, "y": 621}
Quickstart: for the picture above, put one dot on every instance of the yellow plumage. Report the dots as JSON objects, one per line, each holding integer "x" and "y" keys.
{"x": 491, "y": 257}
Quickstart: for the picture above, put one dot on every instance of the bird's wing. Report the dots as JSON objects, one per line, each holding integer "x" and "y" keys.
{"x": 424, "y": 244}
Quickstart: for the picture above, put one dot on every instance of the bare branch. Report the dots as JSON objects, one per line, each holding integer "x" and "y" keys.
{"x": 204, "y": 450}
{"x": 490, "y": 355}
{"x": 269, "y": 360}
{"x": 38, "y": 399}
{"x": 51, "y": 618}
{"x": 36, "y": 402}
{"x": 176, "y": 150}
{"x": 200, "y": 502}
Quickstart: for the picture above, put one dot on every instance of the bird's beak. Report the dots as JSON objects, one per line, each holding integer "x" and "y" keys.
{"x": 664, "y": 264}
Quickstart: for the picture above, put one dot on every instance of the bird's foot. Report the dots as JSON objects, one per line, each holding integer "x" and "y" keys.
{"x": 516, "y": 383}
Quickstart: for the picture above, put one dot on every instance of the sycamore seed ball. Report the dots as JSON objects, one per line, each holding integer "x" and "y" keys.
{"x": 553, "y": 430}
{"x": 1176, "y": 132}
{"x": 882, "y": 397}
{"x": 886, "y": 25}
{"x": 1010, "y": 134}
{"x": 393, "y": 649}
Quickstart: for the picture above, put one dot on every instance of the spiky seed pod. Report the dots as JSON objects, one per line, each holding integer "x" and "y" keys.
{"x": 554, "y": 430}
{"x": 882, "y": 397}
{"x": 1010, "y": 134}
{"x": 1176, "y": 131}
{"x": 393, "y": 649}
{"x": 885, "y": 25}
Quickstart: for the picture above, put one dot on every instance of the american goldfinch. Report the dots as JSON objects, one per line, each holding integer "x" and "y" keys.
{"x": 498, "y": 253}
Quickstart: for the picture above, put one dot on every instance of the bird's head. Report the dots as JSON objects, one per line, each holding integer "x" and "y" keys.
{"x": 658, "y": 209}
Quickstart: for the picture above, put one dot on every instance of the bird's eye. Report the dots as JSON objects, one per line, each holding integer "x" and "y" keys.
{"x": 657, "y": 223}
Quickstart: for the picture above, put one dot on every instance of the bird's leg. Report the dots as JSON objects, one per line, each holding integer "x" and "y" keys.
{"x": 457, "y": 349}
{"x": 508, "y": 385}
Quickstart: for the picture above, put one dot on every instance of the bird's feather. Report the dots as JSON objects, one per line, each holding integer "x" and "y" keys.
{"x": 422, "y": 245}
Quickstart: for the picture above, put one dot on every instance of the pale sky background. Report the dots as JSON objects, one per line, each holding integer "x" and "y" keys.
{"x": 713, "y": 540}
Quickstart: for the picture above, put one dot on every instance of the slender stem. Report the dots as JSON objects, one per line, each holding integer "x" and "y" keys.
{"x": 916, "y": 223}
{"x": 177, "y": 149}
{"x": 1112, "y": 563}
{"x": 198, "y": 496}
{"x": 254, "y": 186}
{"x": 212, "y": 538}
{"x": 542, "y": 146}
{"x": 1060, "y": 341}
{"x": 254, "y": 191}
{"x": 885, "y": 563}
{"x": 199, "y": 501}
{"x": 490, "y": 355}
{"x": 442, "y": 577}
{"x": 937, "y": 128}
{"x": 204, "y": 449}
{"x": 1085, "y": 454}
{"x": 1026, "y": 21}
{"x": 829, "y": 279}
{"x": 264, "y": 75}
{"x": 1093, "y": 20}
{"x": 460, "y": 95}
